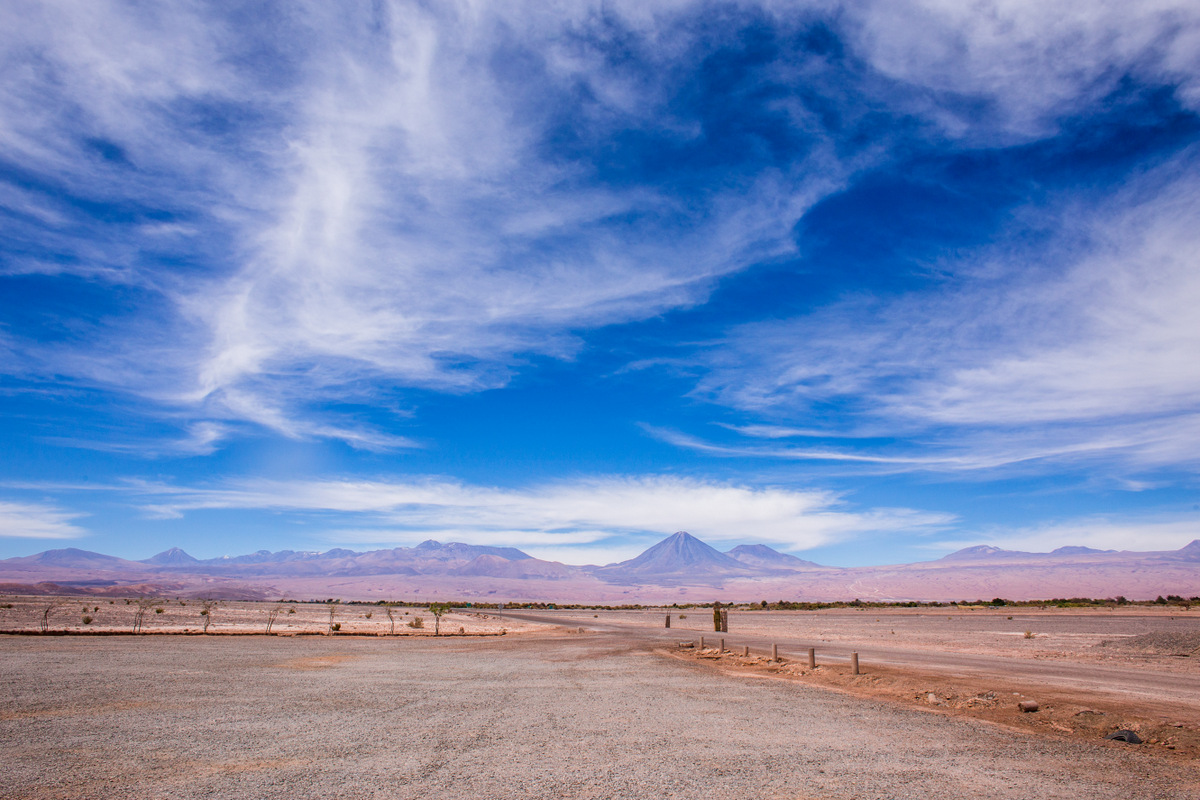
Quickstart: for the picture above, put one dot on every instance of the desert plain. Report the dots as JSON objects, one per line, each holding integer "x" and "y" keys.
{"x": 596, "y": 703}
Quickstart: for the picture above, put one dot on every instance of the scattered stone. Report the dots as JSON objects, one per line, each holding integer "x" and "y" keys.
{"x": 1124, "y": 736}
{"x": 1087, "y": 712}
{"x": 687, "y": 644}
{"x": 1161, "y": 643}
{"x": 1028, "y": 706}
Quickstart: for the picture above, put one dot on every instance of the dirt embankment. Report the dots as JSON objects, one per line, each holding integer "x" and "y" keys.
{"x": 1171, "y": 733}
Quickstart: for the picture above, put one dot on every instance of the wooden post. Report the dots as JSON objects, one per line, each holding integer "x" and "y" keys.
{"x": 701, "y": 642}
{"x": 722, "y": 645}
{"x": 746, "y": 651}
{"x": 854, "y": 663}
{"x": 812, "y": 658}
{"x": 668, "y": 620}
{"x": 774, "y": 652}
{"x": 724, "y": 620}
{"x": 717, "y": 616}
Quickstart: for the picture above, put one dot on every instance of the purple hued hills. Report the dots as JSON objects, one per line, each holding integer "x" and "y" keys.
{"x": 680, "y": 568}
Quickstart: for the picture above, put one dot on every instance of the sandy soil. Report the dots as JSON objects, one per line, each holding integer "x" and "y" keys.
{"x": 1157, "y": 647}
{"x": 1053, "y": 633}
{"x": 580, "y": 716}
{"x": 999, "y": 647}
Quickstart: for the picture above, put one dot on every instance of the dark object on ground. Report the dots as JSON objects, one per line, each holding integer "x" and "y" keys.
{"x": 1124, "y": 736}
{"x": 1028, "y": 706}
{"x": 687, "y": 644}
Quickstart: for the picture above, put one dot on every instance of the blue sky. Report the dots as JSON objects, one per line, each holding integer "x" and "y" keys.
{"x": 867, "y": 282}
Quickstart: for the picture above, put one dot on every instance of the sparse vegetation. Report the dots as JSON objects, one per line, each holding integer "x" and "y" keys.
{"x": 390, "y": 610}
{"x": 144, "y": 604}
{"x": 1030, "y": 634}
{"x": 208, "y": 609}
{"x": 158, "y": 611}
{"x": 44, "y": 623}
{"x": 337, "y": 626}
{"x": 272, "y": 614}
{"x": 416, "y": 622}
{"x": 332, "y": 605}
{"x": 87, "y": 620}
{"x": 438, "y": 610}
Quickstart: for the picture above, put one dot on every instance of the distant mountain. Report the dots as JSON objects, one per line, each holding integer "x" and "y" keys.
{"x": 74, "y": 558}
{"x": 459, "y": 551}
{"x": 678, "y": 555}
{"x": 175, "y": 557}
{"x": 495, "y": 566}
{"x": 1076, "y": 550}
{"x": 667, "y": 572}
{"x": 1189, "y": 552}
{"x": 759, "y": 555}
{"x": 981, "y": 551}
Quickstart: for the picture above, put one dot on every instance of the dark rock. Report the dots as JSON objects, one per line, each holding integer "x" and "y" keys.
{"x": 1124, "y": 736}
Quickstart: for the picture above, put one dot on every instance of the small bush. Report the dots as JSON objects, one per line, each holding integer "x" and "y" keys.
{"x": 6, "y": 605}
{"x": 158, "y": 611}
{"x": 291, "y": 611}
{"x": 1029, "y": 634}
{"x": 683, "y": 616}
{"x": 367, "y": 615}
{"x": 337, "y": 626}
{"x": 87, "y": 620}
{"x": 461, "y": 629}
{"x": 416, "y": 622}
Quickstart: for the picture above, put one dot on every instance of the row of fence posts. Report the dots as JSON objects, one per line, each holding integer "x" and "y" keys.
{"x": 721, "y": 622}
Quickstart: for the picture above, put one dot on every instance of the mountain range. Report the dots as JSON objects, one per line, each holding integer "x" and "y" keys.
{"x": 678, "y": 568}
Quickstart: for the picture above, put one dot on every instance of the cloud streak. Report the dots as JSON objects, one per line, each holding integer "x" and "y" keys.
{"x": 555, "y": 515}
{"x": 37, "y": 521}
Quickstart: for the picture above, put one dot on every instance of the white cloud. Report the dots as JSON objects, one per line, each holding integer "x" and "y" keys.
{"x": 553, "y": 517}
{"x": 1102, "y": 533}
{"x": 1010, "y": 69}
{"x": 391, "y": 219}
{"x": 377, "y": 208}
{"x": 1083, "y": 348}
{"x": 34, "y": 521}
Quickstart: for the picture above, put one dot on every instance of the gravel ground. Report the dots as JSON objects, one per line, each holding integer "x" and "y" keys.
{"x": 585, "y": 716}
{"x": 1186, "y": 643}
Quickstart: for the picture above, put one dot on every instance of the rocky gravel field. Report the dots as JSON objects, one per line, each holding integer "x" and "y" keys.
{"x": 572, "y": 715}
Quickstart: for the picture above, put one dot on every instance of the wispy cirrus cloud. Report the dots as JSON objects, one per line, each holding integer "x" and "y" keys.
{"x": 38, "y": 521}
{"x": 1078, "y": 347}
{"x": 304, "y": 207}
{"x": 409, "y": 197}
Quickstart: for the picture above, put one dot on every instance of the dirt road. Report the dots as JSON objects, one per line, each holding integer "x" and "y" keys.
{"x": 1148, "y": 684}
{"x": 576, "y": 716}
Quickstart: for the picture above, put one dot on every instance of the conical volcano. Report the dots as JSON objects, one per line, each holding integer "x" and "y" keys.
{"x": 679, "y": 555}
